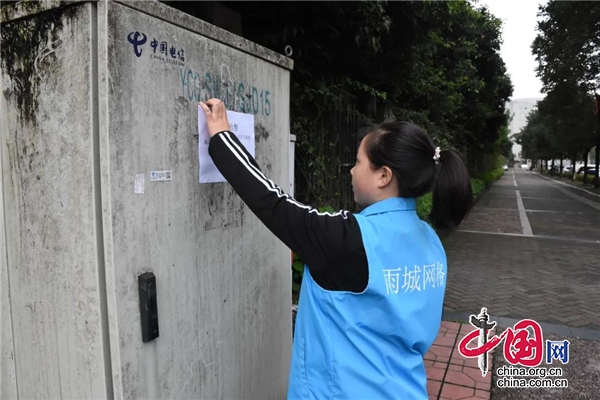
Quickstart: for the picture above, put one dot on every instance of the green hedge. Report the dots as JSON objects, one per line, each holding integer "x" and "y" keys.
{"x": 491, "y": 176}
{"x": 478, "y": 186}
{"x": 590, "y": 178}
{"x": 424, "y": 204}
{"x": 568, "y": 175}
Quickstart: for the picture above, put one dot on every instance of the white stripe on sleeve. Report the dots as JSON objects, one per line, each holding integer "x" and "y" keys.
{"x": 270, "y": 185}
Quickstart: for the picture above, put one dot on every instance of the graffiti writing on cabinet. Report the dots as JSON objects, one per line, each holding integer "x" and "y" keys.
{"x": 197, "y": 86}
{"x": 237, "y": 96}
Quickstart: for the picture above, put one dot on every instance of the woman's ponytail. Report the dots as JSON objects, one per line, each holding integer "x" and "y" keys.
{"x": 410, "y": 152}
{"x": 452, "y": 193}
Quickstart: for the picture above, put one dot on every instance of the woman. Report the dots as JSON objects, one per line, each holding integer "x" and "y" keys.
{"x": 373, "y": 288}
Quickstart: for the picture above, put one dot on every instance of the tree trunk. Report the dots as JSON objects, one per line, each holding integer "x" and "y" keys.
{"x": 597, "y": 178}
{"x": 585, "y": 164}
{"x": 586, "y": 153}
{"x": 561, "y": 167}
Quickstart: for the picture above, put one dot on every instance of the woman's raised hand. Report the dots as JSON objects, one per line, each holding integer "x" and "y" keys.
{"x": 216, "y": 116}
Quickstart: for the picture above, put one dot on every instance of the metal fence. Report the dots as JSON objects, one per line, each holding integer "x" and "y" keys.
{"x": 323, "y": 167}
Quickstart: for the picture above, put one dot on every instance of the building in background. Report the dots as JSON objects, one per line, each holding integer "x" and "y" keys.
{"x": 519, "y": 109}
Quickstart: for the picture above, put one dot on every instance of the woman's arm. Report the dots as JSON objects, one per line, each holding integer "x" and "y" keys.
{"x": 329, "y": 243}
{"x": 320, "y": 239}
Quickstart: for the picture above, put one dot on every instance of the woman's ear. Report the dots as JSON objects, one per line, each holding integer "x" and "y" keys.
{"x": 386, "y": 175}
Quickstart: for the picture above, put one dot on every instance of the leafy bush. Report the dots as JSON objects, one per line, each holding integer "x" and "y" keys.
{"x": 424, "y": 204}
{"x": 569, "y": 175}
{"x": 590, "y": 178}
{"x": 478, "y": 187}
{"x": 492, "y": 176}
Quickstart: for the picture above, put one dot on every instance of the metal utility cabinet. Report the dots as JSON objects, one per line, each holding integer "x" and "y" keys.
{"x": 99, "y": 99}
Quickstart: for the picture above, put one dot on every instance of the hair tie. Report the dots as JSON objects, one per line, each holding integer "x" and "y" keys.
{"x": 436, "y": 156}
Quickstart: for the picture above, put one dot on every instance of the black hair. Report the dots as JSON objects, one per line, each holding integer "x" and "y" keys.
{"x": 409, "y": 152}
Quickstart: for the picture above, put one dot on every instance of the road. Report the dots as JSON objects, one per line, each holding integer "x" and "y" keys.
{"x": 530, "y": 248}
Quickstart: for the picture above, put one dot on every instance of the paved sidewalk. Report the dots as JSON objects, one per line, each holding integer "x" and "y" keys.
{"x": 551, "y": 274}
{"x": 530, "y": 248}
{"x": 449, "y": 374}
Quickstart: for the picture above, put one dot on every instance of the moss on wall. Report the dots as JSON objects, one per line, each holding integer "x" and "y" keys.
{"x": 23, "y": 41}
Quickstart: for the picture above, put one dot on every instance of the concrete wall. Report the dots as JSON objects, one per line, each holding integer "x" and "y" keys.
{"x": 50, "y": 268}
{"x": 77, "y": 235}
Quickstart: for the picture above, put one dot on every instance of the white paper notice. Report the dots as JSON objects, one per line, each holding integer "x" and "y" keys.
{"x": 242, "y": 125}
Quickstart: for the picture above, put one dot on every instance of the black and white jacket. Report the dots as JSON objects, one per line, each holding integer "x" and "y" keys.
{"x": 329, "y": 243}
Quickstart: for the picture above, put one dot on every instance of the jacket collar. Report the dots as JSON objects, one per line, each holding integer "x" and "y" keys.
{"x": 391, "y": 204}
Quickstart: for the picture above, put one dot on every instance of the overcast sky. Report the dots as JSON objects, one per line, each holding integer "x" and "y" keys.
{"x": 518, "y": 32}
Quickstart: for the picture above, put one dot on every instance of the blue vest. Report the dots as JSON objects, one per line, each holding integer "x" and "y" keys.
{"x": 370, "y": 345}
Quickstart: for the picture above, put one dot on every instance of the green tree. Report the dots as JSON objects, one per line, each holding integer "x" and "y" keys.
{"x": 561, "y": 126}
{"x": 567, "y": 49}
{"x": 434, "y": 63}
{"x": 440, "y": 67}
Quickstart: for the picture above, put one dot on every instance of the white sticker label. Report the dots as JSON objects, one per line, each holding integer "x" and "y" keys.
{"x": 157, "y": 176}
{"x": 138, "y": 185}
